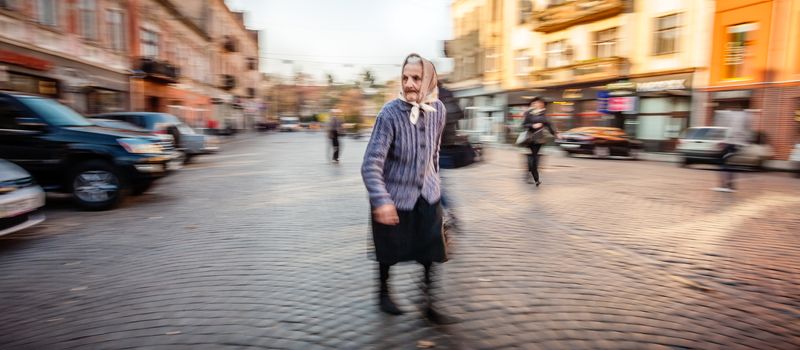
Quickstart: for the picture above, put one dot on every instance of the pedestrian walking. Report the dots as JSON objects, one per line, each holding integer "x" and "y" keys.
{"x": 536, "y": 123}
{"x": 334, "y": 129}
{"x": 401, "y": 174}
{"x": 727, "y": 172}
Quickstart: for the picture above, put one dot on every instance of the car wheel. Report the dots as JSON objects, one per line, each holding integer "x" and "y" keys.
{"x": 601, "y": 152}
{"x": 634, "y": 153}
{"x": 684, "y": 163}
{"x": 96, "y": 185}
{"x": 187, "y": 158}
{"x": 570, "y": 154}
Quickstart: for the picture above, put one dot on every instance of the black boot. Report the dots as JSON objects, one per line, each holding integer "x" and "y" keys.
{"x": 384, "y": 300}
{"x": 428, "y": 309}
{"x": 388, "y": 306}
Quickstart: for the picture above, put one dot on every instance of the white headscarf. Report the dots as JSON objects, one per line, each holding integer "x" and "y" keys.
{"x": 428, "y": 91}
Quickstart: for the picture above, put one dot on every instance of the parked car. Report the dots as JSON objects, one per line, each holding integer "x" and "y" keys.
{"x": 704, "y": 145}
{"x": 289, "y": 124}
{"x": 167, "y": 140}
{"x": 187, "y": 141}
{"x": 599, "y": 141}
{"x": 795, "y": 159}
{"x": 66, "y": 152}
{"x": 20, "y": 199}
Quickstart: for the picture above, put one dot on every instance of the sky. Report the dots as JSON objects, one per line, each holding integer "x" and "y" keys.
{"x": 344, "y": 37}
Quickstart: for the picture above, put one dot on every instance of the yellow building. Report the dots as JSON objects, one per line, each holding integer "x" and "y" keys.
{"x": 643, "y": 58}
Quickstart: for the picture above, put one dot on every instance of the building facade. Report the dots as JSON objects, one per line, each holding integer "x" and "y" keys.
{"x": 630, "y": 64}
{"x": 74, "y": 51}
{"x": 755, "y": 67}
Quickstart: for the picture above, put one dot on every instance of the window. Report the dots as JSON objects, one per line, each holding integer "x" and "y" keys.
{"x": 739, "y": 51}
{"x": 9, "y": 4}
{"x": 149, "y": 45}
{"x": 521, "y": 62}
{"x": 556, "y": 54}
{"x": 666, "y": 41}
{"x": 48, "y": 12}
{"x": 252, "y": 63}
{"x": 525, "y": 11}
{"x": 492, "y": 60}
{"x": 116, "y": 30}
{"x": 88, "y": 14}
{"x": 605, "y": 43}
{"x": 9, "y": 112}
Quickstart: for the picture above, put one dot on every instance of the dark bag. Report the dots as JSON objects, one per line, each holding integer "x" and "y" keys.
{"x": 540, "y": 136}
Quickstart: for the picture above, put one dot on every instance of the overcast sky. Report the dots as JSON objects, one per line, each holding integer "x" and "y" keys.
{"x": 343, "y": 37}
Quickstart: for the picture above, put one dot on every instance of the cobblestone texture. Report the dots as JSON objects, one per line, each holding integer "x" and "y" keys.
{"x": 263, "y": 246}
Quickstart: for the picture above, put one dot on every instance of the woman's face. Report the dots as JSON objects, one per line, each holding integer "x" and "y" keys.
{"x": 537, "y": 105}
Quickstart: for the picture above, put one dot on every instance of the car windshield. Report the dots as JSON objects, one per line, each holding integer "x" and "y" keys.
{"x": 55, "y": 113}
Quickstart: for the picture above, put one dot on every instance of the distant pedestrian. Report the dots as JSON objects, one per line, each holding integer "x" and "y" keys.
{"x": 727, "y": 172}
{"x": 334, "y": 130}
{"x": 401, "y": 173}
{"x": 536, "y": 123}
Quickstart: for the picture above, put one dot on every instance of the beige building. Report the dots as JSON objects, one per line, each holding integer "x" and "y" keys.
{"x": 630, "y": 64}
{"x": 233, "y": 55}
{"x": 73, "y": 51}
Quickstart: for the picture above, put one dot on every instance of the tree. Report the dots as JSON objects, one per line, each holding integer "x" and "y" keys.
{"x": 368, "y": 78}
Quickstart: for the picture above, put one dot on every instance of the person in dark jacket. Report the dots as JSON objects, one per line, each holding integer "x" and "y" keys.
{"x": 535, "y": 120}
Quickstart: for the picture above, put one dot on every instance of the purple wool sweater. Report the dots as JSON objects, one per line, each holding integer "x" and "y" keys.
{"x": 402, "y": 159}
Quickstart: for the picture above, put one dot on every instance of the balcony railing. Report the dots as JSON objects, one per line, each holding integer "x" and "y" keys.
{"x": 595, "y": 69}
{"x": 158, "y": 70}
{"x": 576, "y": 12}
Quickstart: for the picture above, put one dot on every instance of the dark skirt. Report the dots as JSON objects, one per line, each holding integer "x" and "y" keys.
{"x": 418, "y": 237}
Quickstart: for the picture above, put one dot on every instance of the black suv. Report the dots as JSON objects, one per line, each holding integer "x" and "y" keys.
{"x": 65, "y": 152}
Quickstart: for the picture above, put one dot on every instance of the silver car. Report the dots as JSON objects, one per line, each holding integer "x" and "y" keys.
{"x": 187, "y": 141}
{"x": 20, "y": 199}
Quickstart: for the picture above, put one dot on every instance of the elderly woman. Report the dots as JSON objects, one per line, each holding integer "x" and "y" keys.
{"x": 401, "y": 173}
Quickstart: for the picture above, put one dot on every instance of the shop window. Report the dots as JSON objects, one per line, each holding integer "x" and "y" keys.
{"x": 666, "y": 40}
{"x": 47, "y": 11}
{"x": 739, "y": 51}
{"x": 87, "y": 10}
{"x": 605, "y": 43}
{"x": 115, "y": 30}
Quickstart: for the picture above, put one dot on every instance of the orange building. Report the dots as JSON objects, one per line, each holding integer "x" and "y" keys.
{"x": 755, "y": 67}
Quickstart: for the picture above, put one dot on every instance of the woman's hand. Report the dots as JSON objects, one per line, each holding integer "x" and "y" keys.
{"x": 538, "y": 125}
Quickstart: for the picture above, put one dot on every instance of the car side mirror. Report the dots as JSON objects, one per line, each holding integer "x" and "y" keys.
{"x": 34, "y": 124}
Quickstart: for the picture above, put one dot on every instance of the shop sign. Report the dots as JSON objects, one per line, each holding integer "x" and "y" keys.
{"x": 24, "y": 61}
{"x": 621, "y": 104}
{"x": 733, "y": 94}
{"x": 573, "y": 93}
{"x": 625, "y": 85}
{"x": 650, "y": 86}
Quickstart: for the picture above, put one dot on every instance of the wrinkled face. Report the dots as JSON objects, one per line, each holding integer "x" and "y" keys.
{"x": 412, "y": 81}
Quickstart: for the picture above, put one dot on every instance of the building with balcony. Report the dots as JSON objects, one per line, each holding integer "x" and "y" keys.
{"x": 72, "y": 51}
{"x": 755, "y": 68}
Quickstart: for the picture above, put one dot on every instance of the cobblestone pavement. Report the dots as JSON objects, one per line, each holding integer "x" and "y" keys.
{"x": 264, "y": 246}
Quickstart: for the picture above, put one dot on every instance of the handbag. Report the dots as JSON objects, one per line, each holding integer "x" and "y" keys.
{"x": 541, "y": 136}
{"x": 523, "y": 140}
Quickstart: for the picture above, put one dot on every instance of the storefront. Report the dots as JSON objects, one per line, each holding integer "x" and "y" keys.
{"x": 664, "y": 109}
{"x": 86, "y": 88}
